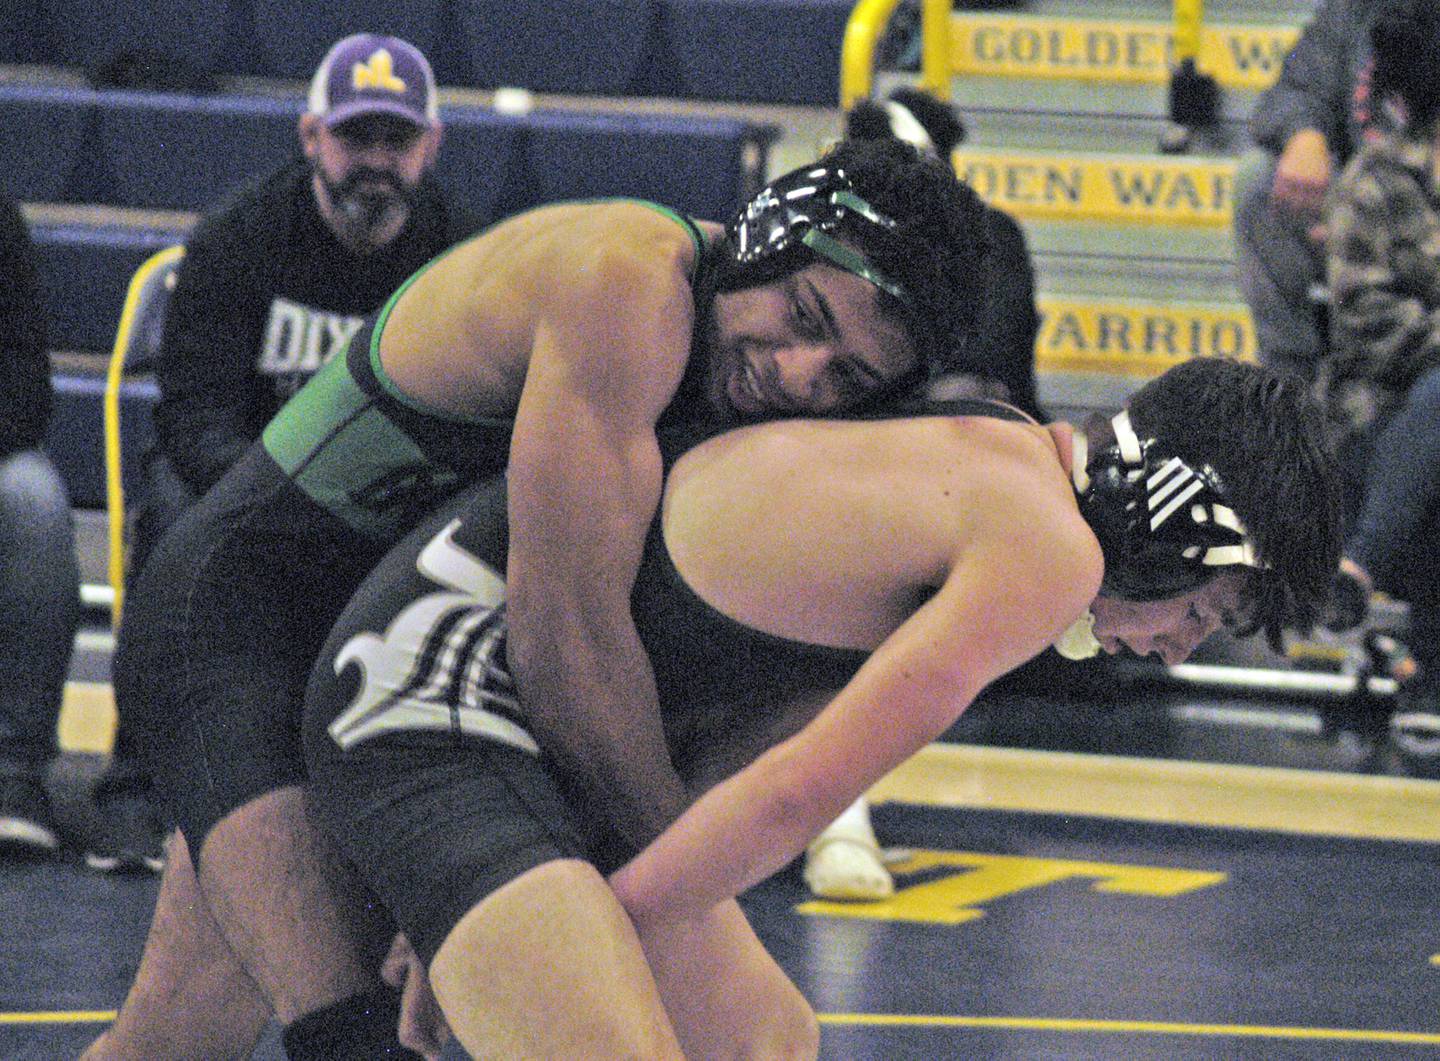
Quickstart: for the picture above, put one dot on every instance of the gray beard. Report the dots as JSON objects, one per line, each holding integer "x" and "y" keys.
{"x": 365, "y": 212}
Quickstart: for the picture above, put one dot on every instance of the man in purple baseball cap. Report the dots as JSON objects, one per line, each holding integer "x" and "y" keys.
{"x": 275, "y": 281}
{"x": 371, "y": 132}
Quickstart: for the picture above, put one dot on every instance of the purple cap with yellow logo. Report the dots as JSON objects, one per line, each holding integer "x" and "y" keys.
{"x": 371, "y": 74}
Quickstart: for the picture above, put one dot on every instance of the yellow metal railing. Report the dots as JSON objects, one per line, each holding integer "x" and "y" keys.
{"x": 1189, "y": 16}
{"x": 857, "y": 50}
{"x": 935, "y": 47}
{"x": 130, "y": 318}
{"x": 863, "y": 30}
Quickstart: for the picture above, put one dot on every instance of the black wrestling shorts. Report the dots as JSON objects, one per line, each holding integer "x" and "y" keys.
{"x": 421, "y": 769}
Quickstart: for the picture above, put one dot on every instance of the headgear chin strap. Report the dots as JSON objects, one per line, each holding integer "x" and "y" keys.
{"x": 1164, "y": 527}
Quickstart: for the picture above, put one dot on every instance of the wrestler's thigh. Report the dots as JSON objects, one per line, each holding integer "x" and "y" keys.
{"x": 435, "y": 823}
{"x": 210, "y": 679}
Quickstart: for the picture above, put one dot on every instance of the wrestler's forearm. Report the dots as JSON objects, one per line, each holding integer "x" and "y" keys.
{"x": 753, "y": 824}
{"x": 597, "y": 716}
{"x": 766, "y": 815}
{"x": 585, "y": 479}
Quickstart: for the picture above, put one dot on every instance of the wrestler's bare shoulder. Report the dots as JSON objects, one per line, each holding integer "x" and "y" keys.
{"x": 561, "y": 237}
{"x": 977, "y": 456}
{"x": 857, "y": 518}
{"x": 460, "y": 336}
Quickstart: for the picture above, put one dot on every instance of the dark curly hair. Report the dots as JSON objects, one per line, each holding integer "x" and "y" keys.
{"x": 1264, "y": 435}
{"x": 938, "y": 249}
{"x": 1405, "y": 35}
{"x": 935, "y": 253}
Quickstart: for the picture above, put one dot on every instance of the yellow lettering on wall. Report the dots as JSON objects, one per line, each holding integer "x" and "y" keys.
{"x": 1246, "y": 57}
{"x": 1138, "y": 338}
{"x": 1054, "y": 186}
{"x": 954, "y": 898}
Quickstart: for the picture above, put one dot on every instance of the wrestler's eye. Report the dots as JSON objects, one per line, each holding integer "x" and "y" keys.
{"x": 808, "y": 322}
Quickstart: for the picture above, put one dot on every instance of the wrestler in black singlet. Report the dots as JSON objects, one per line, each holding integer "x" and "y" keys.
{"x": 230, "y": 612}
{"x": 420, "y": 764}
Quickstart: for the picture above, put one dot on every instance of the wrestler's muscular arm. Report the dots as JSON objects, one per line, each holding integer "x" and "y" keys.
{"x": 585, "y": 477}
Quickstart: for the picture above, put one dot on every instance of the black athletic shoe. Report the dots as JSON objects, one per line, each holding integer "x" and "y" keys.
{"x": 127, "y": 836}
{"x": 27, "y": 829}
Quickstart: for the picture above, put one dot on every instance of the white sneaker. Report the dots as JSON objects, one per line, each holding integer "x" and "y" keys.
{"x": 845, "y": 861}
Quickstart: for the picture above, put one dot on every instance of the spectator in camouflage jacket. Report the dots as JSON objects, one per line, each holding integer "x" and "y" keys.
{"x": 1381, "y": 381}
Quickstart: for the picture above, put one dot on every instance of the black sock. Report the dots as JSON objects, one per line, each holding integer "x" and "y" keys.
{"x": 359, "y": 1028}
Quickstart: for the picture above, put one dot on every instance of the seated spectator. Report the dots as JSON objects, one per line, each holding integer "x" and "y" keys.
{"x": 1311, "y": 120}
{"x": 39, "y": 579}
{"x": 273, "y": 284}
{"x": 1381, "y": 382}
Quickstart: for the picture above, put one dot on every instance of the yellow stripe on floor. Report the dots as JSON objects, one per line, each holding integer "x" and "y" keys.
{"x": 1112, "y": 51}
{"x": 1269, "y": 799}
{"x": 87, "y": 718}
{"x": 1133, "y": 1027}
{"x": 84, "y": 1016}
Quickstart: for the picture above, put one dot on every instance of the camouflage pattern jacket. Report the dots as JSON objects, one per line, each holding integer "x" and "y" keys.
{"x": 1384, "y": 276}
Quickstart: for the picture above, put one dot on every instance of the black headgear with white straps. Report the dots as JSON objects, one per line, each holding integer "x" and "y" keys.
{"x": 1164, "y": 526}
{"x": 792, "y": 221}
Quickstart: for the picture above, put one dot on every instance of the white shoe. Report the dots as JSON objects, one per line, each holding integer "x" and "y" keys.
{"x": 841, "y": 868}
{"x": 845, "y": 861}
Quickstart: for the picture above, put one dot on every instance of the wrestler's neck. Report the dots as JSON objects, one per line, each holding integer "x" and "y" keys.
{"x": 1062, "y": 435}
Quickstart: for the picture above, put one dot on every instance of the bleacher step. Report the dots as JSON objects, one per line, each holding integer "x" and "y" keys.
{"x": 1117, "y": 50}
{"x": 1131, "y": 248}
{"x": 1145, "y": 189}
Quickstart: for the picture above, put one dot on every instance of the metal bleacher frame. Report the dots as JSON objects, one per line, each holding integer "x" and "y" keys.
{"x": 137, "y": 340}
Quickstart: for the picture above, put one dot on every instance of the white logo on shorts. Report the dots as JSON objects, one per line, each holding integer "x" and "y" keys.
{"x": 440, "y": 665}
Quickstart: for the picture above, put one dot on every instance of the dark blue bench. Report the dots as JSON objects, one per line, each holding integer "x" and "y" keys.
{"x": 265, "y": 38}
{"x": 764, "y": 51}
{"x": 25, "y": 36}
{"x": 76, "y": 439}
{"x": 495, "y": 164}
{"x": 86, "y": 33}
{"x": 174, "y": 152}
{"x": 757, "y": 51}
{"x": 576, "y": 47}
{"x": 84, "y": 273}
{"x": 290, "y": 37}
{"x": 177, "y": 152}
{"x": 47, "y": 135}
{"x": 703, "y": 167}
